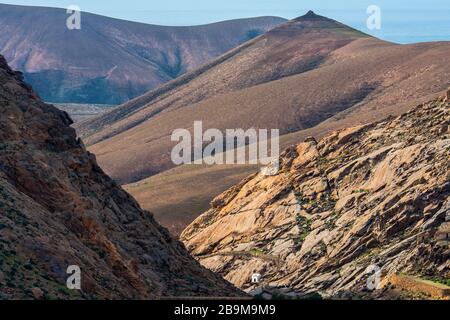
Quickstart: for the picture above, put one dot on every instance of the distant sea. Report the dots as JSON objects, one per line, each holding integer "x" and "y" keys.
{"x": 402, "y": 26}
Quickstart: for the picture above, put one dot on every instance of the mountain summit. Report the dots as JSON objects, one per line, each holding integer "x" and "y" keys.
{"x": 293, "y": 48}
{"x": 312, "y": 75}
{"x": 311, "y": 15}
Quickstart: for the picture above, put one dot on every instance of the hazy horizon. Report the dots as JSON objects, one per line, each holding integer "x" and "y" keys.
{"x": 402, "y": 22}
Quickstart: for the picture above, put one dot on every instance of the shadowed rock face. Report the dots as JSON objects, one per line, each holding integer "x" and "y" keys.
{"x": 371, "y": 194}
{"x": 58, "y": 208}
{"x": 110, "y": 61}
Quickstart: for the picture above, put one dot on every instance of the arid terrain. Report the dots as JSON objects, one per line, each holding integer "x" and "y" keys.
{"x": 88, "y": 180}
{"x": 375, "y": 194}
{"x": 80, "y": 112}
{"x": 58, "y": 208}
{"x": 177, "y": 196}
{"x": 274, "y": 81}
{"x": 309, "y": 76}
{"x": 109, "y": 61}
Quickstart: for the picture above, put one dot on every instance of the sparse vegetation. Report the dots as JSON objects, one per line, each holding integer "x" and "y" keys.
{"x": 361, "y": 191}
{"x": 305, "y": 229}
{"x": 257, "y": 252}
{"x": 437, "y": 279}
{"x": 330, "y": 223}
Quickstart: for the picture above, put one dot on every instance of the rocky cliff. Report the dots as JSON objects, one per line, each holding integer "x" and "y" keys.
{"x": 376, "y": 194}
{"x": 58, "y": 208}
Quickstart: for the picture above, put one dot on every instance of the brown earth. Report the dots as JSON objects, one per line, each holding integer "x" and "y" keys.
{"x": 177, "y": 196}
{"x": 58, "y": 208}
{"x": 292, "y": 78}
{"x": 264, "y": 83}
{"x": 371, "y": 194}
{"x": 420, "y": 286}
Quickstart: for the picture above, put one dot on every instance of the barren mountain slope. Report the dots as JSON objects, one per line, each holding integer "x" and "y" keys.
{"x": 58, "y": 208}
{"x": 372, "y": 194}
{"x": 110, "y": 61}
{"x": 179, "y": 195}
{"x": 322, "y": 67}
{"x": 193, "y": 187}
{"x": 289, "y": 49}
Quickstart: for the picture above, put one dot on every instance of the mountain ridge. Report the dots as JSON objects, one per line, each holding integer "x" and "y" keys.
{"x": 267, "y": 58}
{"x": 275, "y": 81}
{"x": 241, "y": 74}
{"x": 110, "y": 60}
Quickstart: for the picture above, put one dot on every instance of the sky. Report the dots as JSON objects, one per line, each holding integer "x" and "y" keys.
{"x": 402, "y": 21}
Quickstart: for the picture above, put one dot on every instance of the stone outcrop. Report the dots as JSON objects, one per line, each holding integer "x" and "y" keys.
{"x": 58, "y": 208}
{"x": 376, "y": 194}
